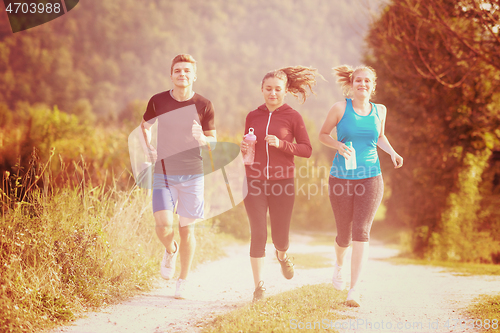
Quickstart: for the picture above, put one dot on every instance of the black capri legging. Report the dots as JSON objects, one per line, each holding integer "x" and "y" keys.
{"x": 354, "y": 204}
{"x": 278, "y": 196}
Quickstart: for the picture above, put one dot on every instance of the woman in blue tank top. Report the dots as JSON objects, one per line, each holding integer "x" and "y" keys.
{"x": 356, "y": 186}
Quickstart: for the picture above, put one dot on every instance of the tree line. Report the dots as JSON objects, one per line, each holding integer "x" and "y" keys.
{"x": 439, "y": 68}
{"x": 80, "y": 84}
{"x": 102, "y": 61}
{"x": 100, "y": 57}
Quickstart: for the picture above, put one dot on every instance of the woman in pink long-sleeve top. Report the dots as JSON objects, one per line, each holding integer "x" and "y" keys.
{"x": 281, "y": 135}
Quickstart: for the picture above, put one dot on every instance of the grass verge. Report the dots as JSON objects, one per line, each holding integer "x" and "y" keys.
{"x": 486, "y": 311}
{"x": 311, "y": 260}
{"x": 457, "y": 268}
{"x": 78, "y": 250}
{"x": 311, "y": 307}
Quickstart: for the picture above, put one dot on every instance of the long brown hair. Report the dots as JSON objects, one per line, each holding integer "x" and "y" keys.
{"x": 297, "y": 79}
{"x": 345, "y": 75}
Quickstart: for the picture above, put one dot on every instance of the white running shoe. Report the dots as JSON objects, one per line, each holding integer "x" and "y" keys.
{"x": 338, "y": 278}
{"x": 167, "y": 267}
{"x": 353, "y": 298}
{"x": 180, "y": 289}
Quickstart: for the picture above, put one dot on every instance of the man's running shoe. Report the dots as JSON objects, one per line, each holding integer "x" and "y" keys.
{"x": 167, "y": 267}
{"x": 180, "y": 289}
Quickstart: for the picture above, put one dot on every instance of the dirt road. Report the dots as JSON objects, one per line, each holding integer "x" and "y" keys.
{"x": 395, "y": 298}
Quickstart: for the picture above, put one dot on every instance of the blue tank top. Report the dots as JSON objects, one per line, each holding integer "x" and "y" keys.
{"x": 363, "y": 132}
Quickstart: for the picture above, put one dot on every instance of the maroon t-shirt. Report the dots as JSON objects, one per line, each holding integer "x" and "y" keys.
{"x": 178, "y": 151}
{"x": 287, "y": 125}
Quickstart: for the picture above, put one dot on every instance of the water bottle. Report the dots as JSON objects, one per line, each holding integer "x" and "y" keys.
{"x": 350, "y": 162}
{"x": 250, "y": 139}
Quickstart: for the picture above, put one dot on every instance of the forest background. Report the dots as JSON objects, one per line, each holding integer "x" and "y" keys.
{"x": 80, "y": 84}
{"x": 72, "y": 90}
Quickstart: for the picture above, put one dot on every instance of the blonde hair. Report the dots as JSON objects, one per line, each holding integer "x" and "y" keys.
{"x": 345, "y": 75}
{"x": 297, "y": 79}
{"x": 183, "y": 58}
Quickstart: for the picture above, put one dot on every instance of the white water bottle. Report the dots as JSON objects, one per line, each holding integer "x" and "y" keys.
{"x": 350, "y": 162}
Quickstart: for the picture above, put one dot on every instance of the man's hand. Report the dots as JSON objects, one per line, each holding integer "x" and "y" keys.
{"x": 197, "y": 132}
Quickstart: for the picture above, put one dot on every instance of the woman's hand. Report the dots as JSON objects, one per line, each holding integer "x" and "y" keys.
{"x": 272, "y": 140}
{"x": 343, "y": 150}
{"x": 397, "y": 160}
{"x": 244, "y": 146}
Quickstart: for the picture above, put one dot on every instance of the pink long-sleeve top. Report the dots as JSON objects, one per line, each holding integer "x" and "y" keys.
{"x": 288, "y": 126}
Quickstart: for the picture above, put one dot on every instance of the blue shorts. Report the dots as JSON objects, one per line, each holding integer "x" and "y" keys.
{"x": 187, "y": 191}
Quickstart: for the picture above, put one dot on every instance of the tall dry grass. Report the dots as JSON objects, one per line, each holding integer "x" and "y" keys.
{"x": 64, "y": 250}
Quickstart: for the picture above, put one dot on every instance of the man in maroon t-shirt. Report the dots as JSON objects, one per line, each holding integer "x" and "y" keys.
{"x": 185, "y": 122}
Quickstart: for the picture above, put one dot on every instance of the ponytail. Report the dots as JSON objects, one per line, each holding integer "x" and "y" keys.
{"x": 297, "y": 79}
{"x": 345, "y": 77}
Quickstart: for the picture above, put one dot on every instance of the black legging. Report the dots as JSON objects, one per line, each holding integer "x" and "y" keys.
{"x": 278, "y": 196}
{"x": 354, "y": 204}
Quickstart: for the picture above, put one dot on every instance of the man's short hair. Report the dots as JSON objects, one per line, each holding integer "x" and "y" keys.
{"x": 183, "y": 58}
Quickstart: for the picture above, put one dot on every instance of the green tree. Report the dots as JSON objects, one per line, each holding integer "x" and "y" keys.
{"x": 439, "y": 67}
